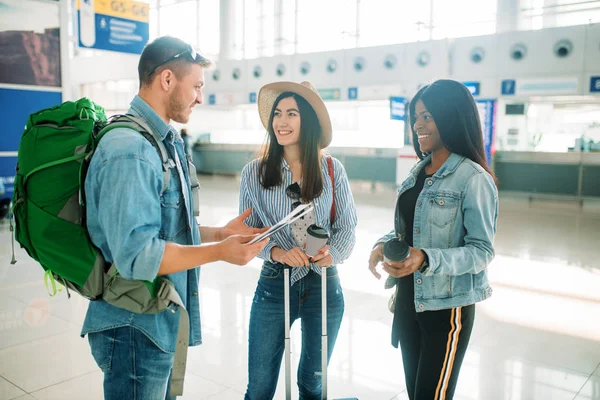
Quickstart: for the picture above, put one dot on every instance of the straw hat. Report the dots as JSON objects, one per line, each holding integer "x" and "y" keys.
{"x": 269, "y": 93}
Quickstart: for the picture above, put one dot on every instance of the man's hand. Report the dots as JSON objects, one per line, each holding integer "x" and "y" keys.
{"x": 234, "y": 249}
{"x": 407, "y": 267}
{"x": 237, "y": 227}
{"x": 375, "y": 258}
{"x": 323, "y": 259}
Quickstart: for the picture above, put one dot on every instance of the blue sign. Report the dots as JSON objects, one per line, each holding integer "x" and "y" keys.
{"x": 212, "y": 99}
{"x": 352, "y": 93}
{"x": 252, "y": 97}
{"x": 398, "y": 108}
{"x": 117, "y": 26}
{"x": 16, "y": 106}
{"x": 509, "y": 87}
{"x": 487, "y": 113}
{"x": 473, "y": 87}
{"x": 595, "y": 84}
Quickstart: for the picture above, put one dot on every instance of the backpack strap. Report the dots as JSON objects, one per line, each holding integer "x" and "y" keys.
{"x": 133, "y": 122}
{"x": 195, "y": 183}
{"x": 137, "y": 296}
{"x": 330, "y": 168}
{"x": 168, "y": 163}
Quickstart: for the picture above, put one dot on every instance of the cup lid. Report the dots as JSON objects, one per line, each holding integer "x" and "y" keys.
{"x": 396, "y": 249}
{"x": 317, "y": 232}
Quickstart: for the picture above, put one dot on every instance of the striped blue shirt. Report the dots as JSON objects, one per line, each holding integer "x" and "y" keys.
{"x": 269, "y": 206}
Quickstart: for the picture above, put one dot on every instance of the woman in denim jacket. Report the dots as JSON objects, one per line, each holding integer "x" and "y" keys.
{"x": 292, "y": 170}
{"x": 446, "y": 211}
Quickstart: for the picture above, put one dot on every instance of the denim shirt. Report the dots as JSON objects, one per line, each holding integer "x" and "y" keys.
{"x": 455, "y": 224}
{"x": 130, "y": 221}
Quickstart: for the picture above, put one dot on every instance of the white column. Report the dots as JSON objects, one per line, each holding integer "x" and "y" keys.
{"x": 278, "y": 28}
{"x": 507, "y": 16}
{"x": 227, "y": 29}
{"x": 65, "y": 58}
{"x": 550, "y": 14}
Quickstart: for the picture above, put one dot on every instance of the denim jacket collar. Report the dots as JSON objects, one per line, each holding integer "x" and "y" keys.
{"x": 141, "y": 108}
{"x": 449, "y": 166}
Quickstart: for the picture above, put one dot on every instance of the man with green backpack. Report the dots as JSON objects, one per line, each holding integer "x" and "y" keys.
{"x": 146, "y": 232}
{"x": 119, "y": 227}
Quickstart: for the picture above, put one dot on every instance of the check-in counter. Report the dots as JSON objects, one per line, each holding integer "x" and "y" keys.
{"x": 573, "y": 174}
{"x": 364, "y": 164}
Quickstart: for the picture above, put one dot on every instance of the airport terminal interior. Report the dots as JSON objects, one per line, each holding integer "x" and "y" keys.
{"x": 533, "y": 68}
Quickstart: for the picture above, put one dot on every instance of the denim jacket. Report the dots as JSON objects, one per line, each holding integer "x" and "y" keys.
{"x": 130, "y": 221}
{"x": 455, "y": 224}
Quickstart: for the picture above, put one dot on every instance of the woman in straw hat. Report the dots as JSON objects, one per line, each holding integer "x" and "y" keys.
{"x": 292, "y": 170}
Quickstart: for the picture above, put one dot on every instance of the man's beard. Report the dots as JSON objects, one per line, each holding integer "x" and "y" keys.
{"x": 178, "y": 109}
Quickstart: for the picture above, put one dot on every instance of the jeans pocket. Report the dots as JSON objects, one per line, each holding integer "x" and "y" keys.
{"x": 102, "y": 345}
{"x": 270, "y": 271}
{"x": 332, "y": 272}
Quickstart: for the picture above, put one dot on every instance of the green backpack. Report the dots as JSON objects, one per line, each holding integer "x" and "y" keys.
{"x": 50, "y": 218}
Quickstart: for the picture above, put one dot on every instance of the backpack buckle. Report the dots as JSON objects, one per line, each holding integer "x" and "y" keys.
{"x": 163, "y": 294}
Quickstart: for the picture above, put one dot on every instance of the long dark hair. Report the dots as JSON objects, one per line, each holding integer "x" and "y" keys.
{"x": 310, "y": 151}
{"x": 455, "y": 114}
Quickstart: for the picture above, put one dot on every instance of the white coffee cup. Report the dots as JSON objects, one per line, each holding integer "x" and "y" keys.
{"x": 316, "y": 238}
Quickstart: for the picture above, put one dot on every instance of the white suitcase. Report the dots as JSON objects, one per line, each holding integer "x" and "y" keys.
{"x": 288, "y": 348}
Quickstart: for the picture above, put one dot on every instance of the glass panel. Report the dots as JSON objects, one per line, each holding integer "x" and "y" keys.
{"x": 393, "y": 21}
{"x": 179, "y": 20}
{"x": 326, "y": 25}
{"x": 461, "y": 18}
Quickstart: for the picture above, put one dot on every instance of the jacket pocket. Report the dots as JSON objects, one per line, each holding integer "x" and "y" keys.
{"x": 170, "y": 199}
{"x": 443, "y": 209}
{"x": 442, "y": 286}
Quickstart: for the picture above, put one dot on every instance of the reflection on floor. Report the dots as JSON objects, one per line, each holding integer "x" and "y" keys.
{"x": 538, "y": 337}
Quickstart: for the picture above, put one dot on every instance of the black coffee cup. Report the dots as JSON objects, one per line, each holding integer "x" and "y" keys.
{"x": 316, "y": 238}
{"x": 395, "y": 250}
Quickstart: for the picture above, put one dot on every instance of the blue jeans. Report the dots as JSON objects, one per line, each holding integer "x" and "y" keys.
{"x": 267, "y": 330}
{"x": 134, "y": 367}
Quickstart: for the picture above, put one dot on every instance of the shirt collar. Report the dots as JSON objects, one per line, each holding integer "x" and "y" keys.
{"x": 141, "y": 108}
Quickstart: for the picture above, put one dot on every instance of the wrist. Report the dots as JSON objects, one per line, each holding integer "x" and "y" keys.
{"x": 425, "y": 263}
{"x": 277, "y": 254}
{"x": 218, "y": 250}
{"x": 220, "y": 234}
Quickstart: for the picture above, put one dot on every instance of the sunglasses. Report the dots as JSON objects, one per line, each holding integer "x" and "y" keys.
{"x": 189, "y": 53}
{"x": 293, "y": 192}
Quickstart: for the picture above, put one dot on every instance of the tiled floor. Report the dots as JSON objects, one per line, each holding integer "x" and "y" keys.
{"x": 538, "y": 337}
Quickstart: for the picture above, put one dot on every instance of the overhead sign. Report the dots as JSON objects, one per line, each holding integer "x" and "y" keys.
{"x": 116, "y": 25}
{"x": 398, "y": 108}
{"x": 546, "y": 86}
{"x": 541, "y": 86}
{"x": 352, "y": 93}
{"x": 330, "y": 94}
{"x": 487, "y": 114}
{"x": 473, "y": 87}
{"x": 508, "y": 87}
{"x": 595, "y": 84}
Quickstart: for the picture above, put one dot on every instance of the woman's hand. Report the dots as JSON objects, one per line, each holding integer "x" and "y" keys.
{"x": 295, "y": 257}
{"x": 407, "y": 267}
{"x": 375, "y": 258}
{"x": 323, "y": 258}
